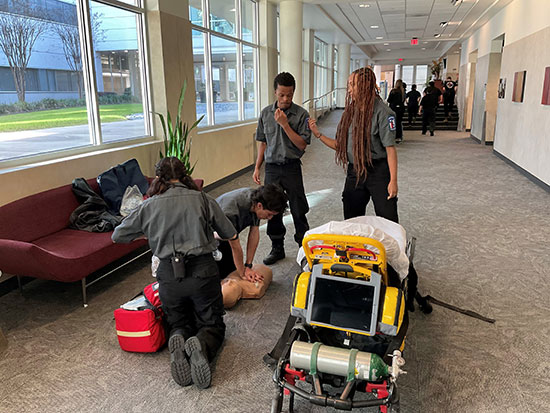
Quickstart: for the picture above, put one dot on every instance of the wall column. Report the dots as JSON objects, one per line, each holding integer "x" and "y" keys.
{"x": 343, "y": 73}
{"x": 291, "y": 22}
{"x": 308, "y": 79}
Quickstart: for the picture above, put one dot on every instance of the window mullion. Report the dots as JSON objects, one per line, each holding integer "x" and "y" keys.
{"x": 144, "y": 66}
{"x": 239, "y": 68}
{"x": 208, "y": 63}
{"x": 88, "y": 70}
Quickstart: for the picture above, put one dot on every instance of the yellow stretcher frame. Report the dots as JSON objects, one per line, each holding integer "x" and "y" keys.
{"x": 339, "y": 249}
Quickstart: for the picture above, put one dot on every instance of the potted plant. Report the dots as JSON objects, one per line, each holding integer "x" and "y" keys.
{"x": 177, "y": 141}
{"x": 436, "y": 67}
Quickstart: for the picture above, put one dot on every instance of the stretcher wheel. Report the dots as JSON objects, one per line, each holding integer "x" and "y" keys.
{"x": 277, "y": 402}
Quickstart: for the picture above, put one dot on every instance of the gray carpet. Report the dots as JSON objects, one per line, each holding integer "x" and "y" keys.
{"x": 482, "y": 231}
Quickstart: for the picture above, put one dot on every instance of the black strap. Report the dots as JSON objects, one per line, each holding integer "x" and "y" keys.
{"x": 396, "y": 341}
{"x": 283, "y": 339}
{"x": 469, "y": 313}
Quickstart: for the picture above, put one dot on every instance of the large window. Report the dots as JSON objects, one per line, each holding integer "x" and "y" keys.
{"x": 320, "y": 61}
{"x": 225, "y": 55}
{"x": 421, "y": 76}
{"x": 59, "y": 92}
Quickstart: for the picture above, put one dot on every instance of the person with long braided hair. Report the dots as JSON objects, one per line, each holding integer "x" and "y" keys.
{"x": 365, "y": 143}
{"x": 179, "y": 222}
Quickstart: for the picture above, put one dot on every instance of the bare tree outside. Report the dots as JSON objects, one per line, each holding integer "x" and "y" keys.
{"x": 70, "y": 39}
{"x": 18, "y": 34}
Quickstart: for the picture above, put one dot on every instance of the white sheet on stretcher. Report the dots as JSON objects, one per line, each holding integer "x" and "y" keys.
{"x": 390, "y": 234}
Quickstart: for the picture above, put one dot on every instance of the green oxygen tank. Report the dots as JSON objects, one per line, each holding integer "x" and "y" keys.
{"x": 349, "y": 363}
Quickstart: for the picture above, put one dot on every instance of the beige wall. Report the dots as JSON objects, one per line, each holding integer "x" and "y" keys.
{"x": 491, "y": 100}
{"x": 219, "y": 152}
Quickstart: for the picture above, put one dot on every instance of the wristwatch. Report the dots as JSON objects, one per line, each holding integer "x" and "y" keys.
{"x": 248, "y": 265}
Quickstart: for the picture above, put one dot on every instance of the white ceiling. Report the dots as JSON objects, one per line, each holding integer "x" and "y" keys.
{"x": 398, "y": 22}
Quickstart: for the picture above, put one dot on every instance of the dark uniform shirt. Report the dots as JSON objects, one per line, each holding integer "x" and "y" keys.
{"x": 429, "y": 102}
{"x": 413, "y": 96}
{"x": 236, "y": 206}
{"x": 450, "y": 87}
{"x": 176, "y": 221}
{"x": 280, "y": 148}
{"x": 382, "y": 131}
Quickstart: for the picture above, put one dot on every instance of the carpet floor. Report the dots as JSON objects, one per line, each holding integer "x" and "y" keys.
{"x": 482, "y": 234}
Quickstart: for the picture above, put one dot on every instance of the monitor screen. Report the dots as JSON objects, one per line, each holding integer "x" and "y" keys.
{"x": 344, "y": 303}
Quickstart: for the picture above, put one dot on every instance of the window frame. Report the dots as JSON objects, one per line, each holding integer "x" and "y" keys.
{"x": 89, "y": 73}
{"x": 208, "y": 32}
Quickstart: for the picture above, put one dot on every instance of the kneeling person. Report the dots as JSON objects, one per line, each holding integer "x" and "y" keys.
{"x": 245, "y": 207}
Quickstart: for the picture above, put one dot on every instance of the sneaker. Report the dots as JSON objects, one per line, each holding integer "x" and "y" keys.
{"x": 276, "y": 254}
{"x": 179, "y": 366}
{"x": 200, "y": 368}
{"x": 423, "y": 133}
{"x": 431, "y": 134}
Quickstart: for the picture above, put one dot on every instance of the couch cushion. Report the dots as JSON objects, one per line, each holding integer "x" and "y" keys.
{"x": 40, "y": 214}
{"x": 72, "y": 243}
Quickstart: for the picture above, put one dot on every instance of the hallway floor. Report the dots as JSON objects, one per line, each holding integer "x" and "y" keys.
{"x": 482, "y": 234}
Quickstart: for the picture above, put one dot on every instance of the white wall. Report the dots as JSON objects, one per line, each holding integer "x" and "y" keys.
{"x": 522, "y": 131}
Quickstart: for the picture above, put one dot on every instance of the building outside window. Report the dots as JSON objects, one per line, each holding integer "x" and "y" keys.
{"x": 56, "y": 94}
{"x": 225, "y": 55}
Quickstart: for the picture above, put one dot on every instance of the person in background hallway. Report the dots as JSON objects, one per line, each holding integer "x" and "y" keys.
{"x": 428, "y": 107}
{"x": 283, "y": 135}
{"x": 245, "y": 207}
{"x": 449, "y": 97}
{"x": 365, "y": 143}
{"x": 396, "y": 100}
{"x": 413, "y": 100}
{"x": 434, "y": 90}
{"x": 178, "y": 221}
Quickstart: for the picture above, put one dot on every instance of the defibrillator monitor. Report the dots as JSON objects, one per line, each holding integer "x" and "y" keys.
{"x": 344, "y": 303}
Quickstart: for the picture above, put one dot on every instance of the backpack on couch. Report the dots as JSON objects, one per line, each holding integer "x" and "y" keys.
{"x": 139, "y": 322}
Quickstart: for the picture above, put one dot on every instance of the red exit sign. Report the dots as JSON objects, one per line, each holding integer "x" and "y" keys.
{"x": 414, "y": 41}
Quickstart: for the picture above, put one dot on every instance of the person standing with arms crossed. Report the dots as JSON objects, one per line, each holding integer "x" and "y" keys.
{"x": 283, "y": 134}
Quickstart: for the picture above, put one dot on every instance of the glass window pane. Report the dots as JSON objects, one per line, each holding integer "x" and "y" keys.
{"x": 247, "y": 20}
{"x": 55, "y": 116}
{"x": 421, "y": 76}
{"x": 249, "y": 91}
{"x": 200, "y": 76}
{"x": 118, "y": 72}
{"x": 222, "y": 17}
{"x": 224, "y": 80}
{"x": 407, "y": 75}
{"x": 195, "y": 12}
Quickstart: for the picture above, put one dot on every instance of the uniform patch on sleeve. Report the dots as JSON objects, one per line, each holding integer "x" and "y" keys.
{"x": 391, "y": 122}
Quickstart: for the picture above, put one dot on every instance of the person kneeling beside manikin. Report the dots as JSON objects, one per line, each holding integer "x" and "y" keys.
{"x": 245, "y": 207}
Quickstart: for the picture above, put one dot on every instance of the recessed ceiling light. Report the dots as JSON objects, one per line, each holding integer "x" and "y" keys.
{"x": 233, "y": 9}
{"x": 437, "y": 35}
{"x": 388, "y": 50}
{"x": 379, "y": 37}
{"x": 425, "y": 42}
{"x": 386, "y": 44}
{"x": 457, "y": 51}
{"x": 364, "y": 5}
{"x": 423, "y": 48}
{"x": 443, "y": 24}
{"x": 374, "y": 27}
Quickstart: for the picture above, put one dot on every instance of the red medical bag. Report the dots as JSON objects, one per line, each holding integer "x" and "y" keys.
{"x": 139, "y": 322}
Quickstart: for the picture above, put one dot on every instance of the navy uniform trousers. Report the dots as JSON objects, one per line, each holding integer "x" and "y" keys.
{"x": 194, "y": 303}
{"x": 289, "y": 177}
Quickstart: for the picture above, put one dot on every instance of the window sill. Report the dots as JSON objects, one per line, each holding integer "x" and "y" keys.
{"x": 34, "y": 161}
{"x": 225, "y": 126}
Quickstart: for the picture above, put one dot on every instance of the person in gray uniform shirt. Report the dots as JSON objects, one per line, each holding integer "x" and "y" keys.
{"x": 283, "y": 134}
{"x": 365, "y": 143}
{"x": 245, "y": 207}
{"x": 179, "y": 222}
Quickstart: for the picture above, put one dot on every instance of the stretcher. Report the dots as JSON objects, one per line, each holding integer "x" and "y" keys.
{"x": 346, "y": 333}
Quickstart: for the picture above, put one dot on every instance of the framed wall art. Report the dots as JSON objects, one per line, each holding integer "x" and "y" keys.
{"x": 546, "y": 87}
{"x": 519, "y": 86}
{"x": 502, "y": 88}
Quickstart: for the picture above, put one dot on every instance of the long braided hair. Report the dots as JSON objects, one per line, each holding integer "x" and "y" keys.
{"x": 357, "y": 112}
{"x": 167, "y": 169}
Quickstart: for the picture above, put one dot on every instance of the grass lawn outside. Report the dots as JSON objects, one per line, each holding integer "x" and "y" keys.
{"x": 46, "y": 119}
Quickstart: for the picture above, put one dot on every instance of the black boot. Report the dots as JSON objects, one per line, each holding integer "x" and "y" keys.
{"x": 277, "y": 253}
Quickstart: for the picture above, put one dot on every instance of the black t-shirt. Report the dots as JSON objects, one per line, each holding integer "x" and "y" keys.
{"x": 413, "y": 96}
{"x": 449, "y": 87}
{"x": 429, "y": 102}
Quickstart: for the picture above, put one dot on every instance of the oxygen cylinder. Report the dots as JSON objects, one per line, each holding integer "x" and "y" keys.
{"x": 334, "y": 360}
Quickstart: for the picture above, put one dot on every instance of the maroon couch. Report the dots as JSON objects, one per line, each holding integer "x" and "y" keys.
{"x": 35, "y": 240}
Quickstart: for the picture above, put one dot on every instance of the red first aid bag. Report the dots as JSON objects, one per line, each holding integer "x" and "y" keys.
{"x": 139, "y": 322}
